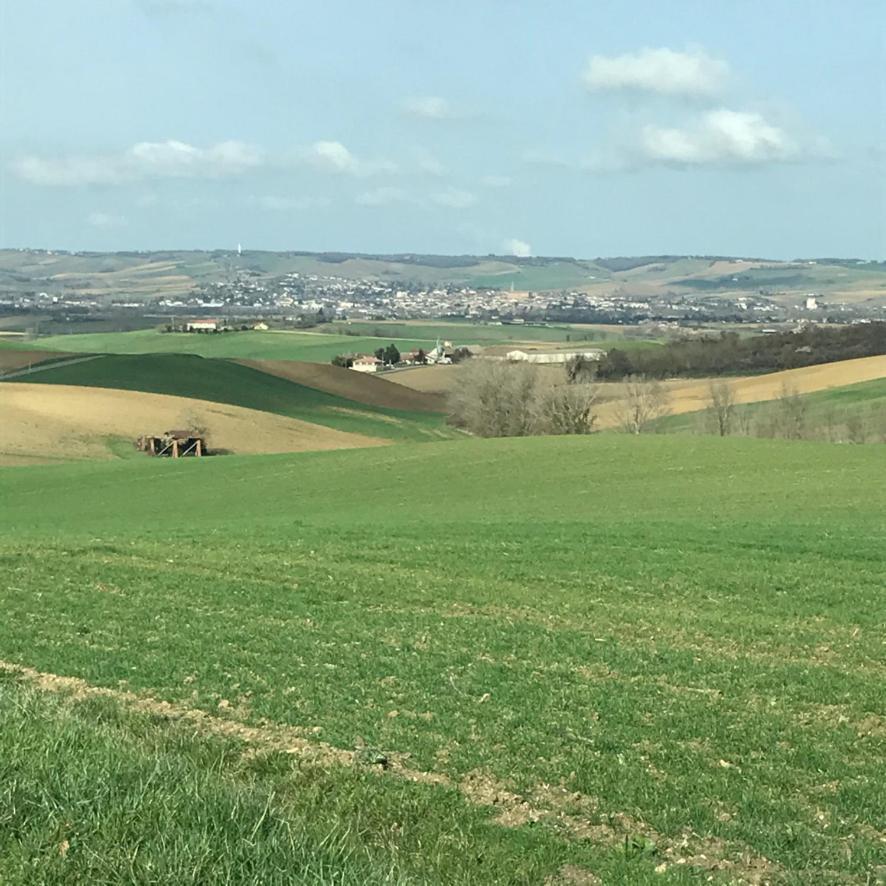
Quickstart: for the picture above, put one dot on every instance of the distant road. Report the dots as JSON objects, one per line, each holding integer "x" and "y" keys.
{"x": 51, "y": 364}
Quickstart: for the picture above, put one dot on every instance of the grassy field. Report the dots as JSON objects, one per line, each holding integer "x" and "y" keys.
{"x": 311, "y": 346}
{"x": 223, "y": 381}
{"x": 608, "y": 659}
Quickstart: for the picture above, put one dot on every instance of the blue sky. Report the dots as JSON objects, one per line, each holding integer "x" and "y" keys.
{"x": 546, "y": 128}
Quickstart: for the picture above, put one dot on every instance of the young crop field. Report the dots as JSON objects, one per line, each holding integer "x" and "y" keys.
{"x": 316, "y": 347}
{"x": 545, "y": 660}
{"x": 224, "y": 381}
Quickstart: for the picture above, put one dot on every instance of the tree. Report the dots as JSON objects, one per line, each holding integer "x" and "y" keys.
{"x": 344, "y": 360}
{"x": 644, "y": 401}
{"x": 721, "y": 408}
{"x": 566, "y": 409}
{"x": 421, "y": 357}
{"x": 790, "y": 414}
{"x": 580, "y": 369}
{"x": 391, "y": 355}
{"x": 494, "y": 398}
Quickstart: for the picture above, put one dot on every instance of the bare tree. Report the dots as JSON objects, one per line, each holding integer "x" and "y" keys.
{"x": 566, "y": 409}
{"x": 644, "y": 401}
{"x": 494, "y": 398}
{"x": 580, "y": 369}
{"x": 790, "y": 414}
{"x": 721, "y": 408}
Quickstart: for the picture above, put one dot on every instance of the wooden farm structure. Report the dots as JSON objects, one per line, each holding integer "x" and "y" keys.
{"x": 173, "y": 444}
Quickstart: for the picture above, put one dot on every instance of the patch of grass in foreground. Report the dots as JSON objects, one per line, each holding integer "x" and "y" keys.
{"x": 91, "y": 793}
{"x": 684, "y": 634}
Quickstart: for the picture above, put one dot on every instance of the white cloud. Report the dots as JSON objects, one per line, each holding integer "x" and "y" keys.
{"x": 454, "y": 198}
{"x": 381, "y": 197}
{"x": 429, "y": 107}
{"x": 105, "y": 220}
{"x": 519, "y": 248}
{"x": 658, "y": 71}
{"x": 145, "y": 160}
{"x": 496, "y": 181}
{"x": 721, "y": 137}
{"x": 333, "y": 156}
{"x": 431, "y": 166}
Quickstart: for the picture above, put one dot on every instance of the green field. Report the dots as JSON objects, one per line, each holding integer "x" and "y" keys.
{"x": 222, "y": 381}
{"x": 653, "y": 659}
{"x": 310, "y": 346}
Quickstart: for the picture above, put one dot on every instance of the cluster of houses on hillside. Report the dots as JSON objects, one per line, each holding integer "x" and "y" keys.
{"x": 441, "y": 354}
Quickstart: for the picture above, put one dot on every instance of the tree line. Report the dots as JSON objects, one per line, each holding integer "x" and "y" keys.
{"x": 731, "y": 353}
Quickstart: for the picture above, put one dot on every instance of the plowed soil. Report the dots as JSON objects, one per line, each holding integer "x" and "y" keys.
{"x": 357, "y": 386}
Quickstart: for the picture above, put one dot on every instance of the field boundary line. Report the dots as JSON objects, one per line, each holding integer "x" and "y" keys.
{"x": 44, "y": 365}
{"x": 565, "y": 811}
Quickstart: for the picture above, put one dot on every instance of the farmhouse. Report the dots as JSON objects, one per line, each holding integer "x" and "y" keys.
{"x": 202, "y": 325}
{"x": 554, "y": 356}
{"x": 365, "y": 363}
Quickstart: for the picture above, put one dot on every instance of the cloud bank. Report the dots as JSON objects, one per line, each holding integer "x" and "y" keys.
{"x": 721, "y": 137}
{"x": 145, "y": 160}
{"x": 662, "y": 72}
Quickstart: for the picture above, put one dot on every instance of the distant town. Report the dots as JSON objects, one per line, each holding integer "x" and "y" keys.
{"x": 239, "y": 292}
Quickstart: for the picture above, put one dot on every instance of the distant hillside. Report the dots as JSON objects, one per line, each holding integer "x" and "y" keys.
{"x": 139, "y": 275}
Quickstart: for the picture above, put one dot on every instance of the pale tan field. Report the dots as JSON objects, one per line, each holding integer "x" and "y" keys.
{"x": 357, "y": 386}
{"x": 49, "y": 422}
{"x": 691, "y": 396}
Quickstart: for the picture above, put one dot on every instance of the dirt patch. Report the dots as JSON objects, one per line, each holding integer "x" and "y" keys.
{"x": 12, "y": 359}
{"x": 67, "y": 421}
{"x": 429, "y": 380}
{"x": 357, "y": 386}
{"x": 573, "y": 875}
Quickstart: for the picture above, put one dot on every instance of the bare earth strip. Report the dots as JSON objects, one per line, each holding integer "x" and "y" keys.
{"x": 575, "y": 815}
{"x": 11, "y": 359}
{"x": 357, "y": 386}
{"x": 64, "y": 421}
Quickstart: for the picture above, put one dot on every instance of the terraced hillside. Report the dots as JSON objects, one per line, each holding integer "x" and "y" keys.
{"x": 562, "y": 660}
{"x": 223, "y": 381}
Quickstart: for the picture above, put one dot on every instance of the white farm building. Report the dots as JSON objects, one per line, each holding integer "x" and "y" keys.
{"x": 553, "y": 356}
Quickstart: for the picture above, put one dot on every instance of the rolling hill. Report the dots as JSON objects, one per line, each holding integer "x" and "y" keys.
{"x": 224, "y": 381}
{"x": 692, "y": 396}
{"x": 142, "y": 275}
{"x": 552, "y": 660}
{"x": 44, "y": 422}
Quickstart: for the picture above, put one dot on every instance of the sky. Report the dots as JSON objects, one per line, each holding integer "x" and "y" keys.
{"x": 564, "y": 127}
